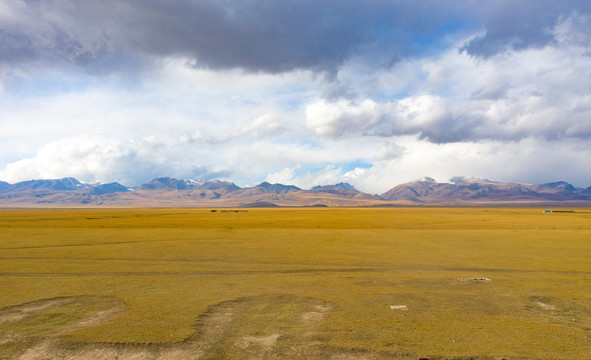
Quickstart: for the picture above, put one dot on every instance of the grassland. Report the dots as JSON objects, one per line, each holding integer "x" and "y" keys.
{"x": 483, "y": 283}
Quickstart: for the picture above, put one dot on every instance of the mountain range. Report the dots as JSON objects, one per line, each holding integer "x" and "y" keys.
{"x": 170, "y": 192}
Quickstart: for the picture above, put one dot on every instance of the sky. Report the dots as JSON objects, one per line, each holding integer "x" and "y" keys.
{"x": 371, "y": 92}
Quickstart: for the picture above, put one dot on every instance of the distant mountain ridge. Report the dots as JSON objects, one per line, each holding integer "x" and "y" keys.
{"x": 168, "y": 191}
{"x": 472, "y": 189}
{"x": 64, "y": 184}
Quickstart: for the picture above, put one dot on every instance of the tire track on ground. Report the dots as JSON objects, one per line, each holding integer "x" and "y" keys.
{"x": 89, "y": 244}
{"x": 195, "y": 273}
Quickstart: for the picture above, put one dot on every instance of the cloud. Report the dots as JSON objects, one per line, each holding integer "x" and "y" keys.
{"x": 86, "y": 158}
{"x": 262, "y": 36}
{"x": 98, "y": 159}
{"x": 389, "y": 151}
{"x": 306, "y": 179}
{"x": 198, "y": 137}
{"x": 532, "y": 93}
{"x": 254, "y": 35}
{"x": 371, "y": 92}
{"x": 335, "y": 119}
{"x": 528, "y": 161}
{"x": 522, "y": 25}
{"x": 423, "y": 115}
{"x": 284, "y": 176}
{"x": 264, "y": 125}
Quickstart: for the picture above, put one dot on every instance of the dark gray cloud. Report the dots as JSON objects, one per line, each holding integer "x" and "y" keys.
{"x": 269, "y": 36}
{"x": 15, "y": 47}
{"x": 518, "y": 25}
{"x": 255, "y": 35}
{"x": 265, "y": 36}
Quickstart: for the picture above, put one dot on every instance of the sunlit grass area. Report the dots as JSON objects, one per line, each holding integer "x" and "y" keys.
{"x": 371, "y": 283}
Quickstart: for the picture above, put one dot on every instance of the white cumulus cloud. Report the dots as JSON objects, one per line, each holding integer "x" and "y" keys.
{"x": 335, "y": 119}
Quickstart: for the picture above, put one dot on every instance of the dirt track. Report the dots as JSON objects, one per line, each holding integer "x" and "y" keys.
{"x": 218, "y": 332}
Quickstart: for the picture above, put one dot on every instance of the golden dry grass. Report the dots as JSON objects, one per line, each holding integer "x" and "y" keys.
{"x": 170, "y": 267}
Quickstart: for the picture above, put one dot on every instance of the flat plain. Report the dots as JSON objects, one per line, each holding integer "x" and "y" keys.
{"x": 287, "y": 283}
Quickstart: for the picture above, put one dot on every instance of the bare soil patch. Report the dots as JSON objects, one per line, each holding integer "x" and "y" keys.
{"x": 473, "y": 280}
{"x": 19, "y": 312}
{"x": 264, "y": 341}
{"x": 220, "y": 331}
{"x": 270, "y": 326}
{"x": 260, "y": 327}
